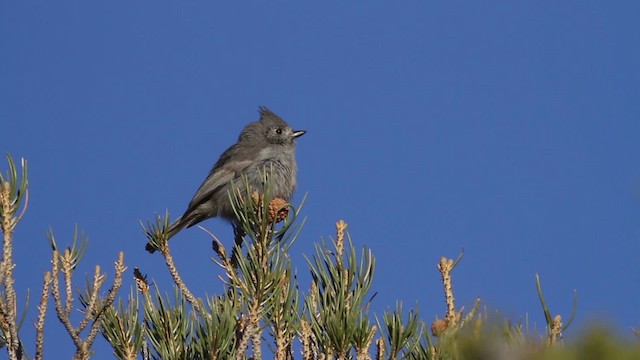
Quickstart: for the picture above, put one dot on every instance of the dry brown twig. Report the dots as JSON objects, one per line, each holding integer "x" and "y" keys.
{"x": 451, "y": 318}
{"x": 42, "y": 311}
{"x": 445, "y": 266}
{"x": 380, "y": 349}
{"x": 556, "y": 330}
{"x": 8, "y": 305}
{"x": 94, "y": 308}
{"x": 363, "y": 352}
{"x": 184, "y": 289}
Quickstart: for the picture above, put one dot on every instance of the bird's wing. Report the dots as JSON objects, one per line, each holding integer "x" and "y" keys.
{"x": 231, "y": 165}
{"x": 217, "y": 178}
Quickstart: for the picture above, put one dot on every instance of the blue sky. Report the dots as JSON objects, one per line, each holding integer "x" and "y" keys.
{"x": 509, "y": 129}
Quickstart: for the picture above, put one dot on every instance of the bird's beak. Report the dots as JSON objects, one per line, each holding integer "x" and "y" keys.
{"x": 299, "y": 133}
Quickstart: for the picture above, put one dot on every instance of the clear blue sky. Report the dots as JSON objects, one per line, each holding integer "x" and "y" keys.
{"x": 510, "y": 129}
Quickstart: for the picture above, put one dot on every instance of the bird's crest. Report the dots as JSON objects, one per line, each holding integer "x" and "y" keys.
{"x": 268, "y": 115}
{"x": 264, "y": 112}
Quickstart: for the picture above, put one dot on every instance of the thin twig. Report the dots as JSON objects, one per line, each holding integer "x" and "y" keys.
{"x": 251, "y": 328}
{"x": 98, "y": 281}
{"x": 556, "y": 330}
{"x": 9, "y": 308}
{"x": 42, "y": 311}
{"x": 113, "y": 291}
{"x": 67, "y": 271}
{"x": 256, "y": 340}
{"x": 445, "y": 266}
{"x": 178, "y": 280}
{"x": 60, "y": 311}
{"x": 380, "y": 349}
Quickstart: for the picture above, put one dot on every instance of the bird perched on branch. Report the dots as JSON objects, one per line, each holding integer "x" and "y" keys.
{"x": 268, "y": 143}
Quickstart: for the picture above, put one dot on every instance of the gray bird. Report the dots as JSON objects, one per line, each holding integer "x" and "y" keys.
{"x": 268, "y": 142}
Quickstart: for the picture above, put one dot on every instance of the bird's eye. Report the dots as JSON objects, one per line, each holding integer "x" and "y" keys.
{"x": 279, "y": 131}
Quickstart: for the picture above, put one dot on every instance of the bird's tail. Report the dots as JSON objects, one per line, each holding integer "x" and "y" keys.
{"x": 173, "y": 229}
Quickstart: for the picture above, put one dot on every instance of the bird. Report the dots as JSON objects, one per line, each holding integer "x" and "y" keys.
{"x": 268, "y": 143}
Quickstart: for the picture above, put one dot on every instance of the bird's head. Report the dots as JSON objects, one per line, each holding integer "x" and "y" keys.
{"x": 275, "y": 130}
{"x": 269, "y": 130}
